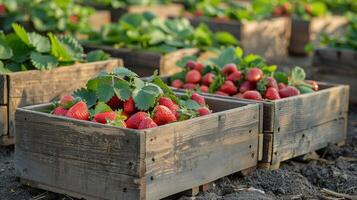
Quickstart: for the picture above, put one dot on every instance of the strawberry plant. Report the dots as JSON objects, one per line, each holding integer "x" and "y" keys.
{"x": 123, "y": 3}
{"x": 44, "y": 15}
{"x": 146, "y": 31}
{"x": 249, "y": 77}
{"x": 122, "y": 99}
{"x": 349, "y": 40}
{"x": 22, "y": 50}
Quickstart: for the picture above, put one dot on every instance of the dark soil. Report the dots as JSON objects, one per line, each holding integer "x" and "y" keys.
{"x": 336, "y": 170}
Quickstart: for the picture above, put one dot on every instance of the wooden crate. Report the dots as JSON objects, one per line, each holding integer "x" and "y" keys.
{"x": 298, "y": 125}
{"x": 337, "y": 66}
{"x": 32, "y": 87}
{"x": 269, "y": 38}
{"x": 304, "y": 32}
{"x": 144, "y": 63}
{"x": 95, "y": 161}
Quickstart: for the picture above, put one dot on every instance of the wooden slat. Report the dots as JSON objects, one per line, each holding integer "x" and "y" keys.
{"x": 168, "y": 61}
{"x": 212, "y": 147}
{"x": 291, "y": 145}
{"x": 3, "y": 89}
{"x": 83, "y": 157}
{"x": 162, "y": 11}
{"x": 33, "y": 87}
{"x": 3, "y": 121}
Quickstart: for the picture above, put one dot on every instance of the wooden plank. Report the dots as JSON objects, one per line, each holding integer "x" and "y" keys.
{"x": 33, "y": 87}
{"x": 168, "y": 61}
{"x": 3, "y": 120}
{"x": 300, "y": 36}
{"x": 291, "y": 145}
{"x": 96, "y": 160}
{"x": 163, "y": 11}
{"x": 3, "y": 89}
{"x": 208, "y": 150}
{"x": 302, "y": 112}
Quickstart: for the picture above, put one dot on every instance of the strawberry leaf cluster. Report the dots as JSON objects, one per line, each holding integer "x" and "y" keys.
{"x": 22, "y": 50}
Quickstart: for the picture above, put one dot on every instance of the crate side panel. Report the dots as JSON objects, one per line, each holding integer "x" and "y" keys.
{"x": 201, "y": 150}
{"x": 3, "y": 121}
{"x": 168, "y": 61}
{"x": 82, "y": 157}
{"x": 3, "y": 89}
{"x": 162, "y": 11}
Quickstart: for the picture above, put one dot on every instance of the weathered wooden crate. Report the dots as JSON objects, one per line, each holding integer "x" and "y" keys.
{"x": 95, "y": 161}
{"x": 144, "y": 63}
{"x": 33, "y": 87}
{"x": 337, "y": 66}
{"x": 269, "y": 38}
{"x": 298, "y": 125}
{"x": 304, "y": 32}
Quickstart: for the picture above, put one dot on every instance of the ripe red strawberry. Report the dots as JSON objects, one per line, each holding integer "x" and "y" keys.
{"x": 193, "y": 76}
{"x": 2, "y": 9}
{"x": 165, "y": 101}
{"x": 246, "y": 85}
{"x": 115, "y": 103}
{"x": 73, "y": 19}
{"x": 198, "y": 98}
{"x": 66, "y": 101}
{"x": 228, "y": 87}
{"x": 288, "y": 92}
{"x": 254, "y": 74}
{"x": 313, "y": 84}
{"x": 104, "y": 117}
{"x": 281, "y": 86}
{"x": 189, "y": 86}
{"x": 204, "y": 111}
{"x": 229, "y": 69}
{"x": 177, "y": 83}
{"x": 79, "y": 111}
{"x": 221, "y": 93}
{"x": 129, "y": 106}
{"x": 272, "y": 83}
{"x": 191, "y": 64}
{"x": 199, "y": 67}
{"x": 204, "y": 88}
{"x": 238, "y": 95}
{"x": 147, "y": 123}
{"x": 198, "y": 13}
{"x": 60, "y": 111}
{"x": 252, "y": 94}
{"x": 207, "y": 79}
{"x": 163, "y": 115}
{"x": 135, "y": 120}
{"x": 235, "y": 76}
{"x": 272, "y": 94}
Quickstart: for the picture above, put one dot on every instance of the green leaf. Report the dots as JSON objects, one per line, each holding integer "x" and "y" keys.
{"x": 297, "y": 76}
{"x": 145, "y": 98}
{"x": 88, "y": 96}
{"x": 268, "y": 70}
{"x": 3, "y": 70}
{"x": 5, "y": 51}
{"x": 43, "y": 62}
{"x": 226, "y": 38}
{"x": 122, "y": 89}
{"x": 102, "y": 107}
{"x": 239, "y": 52}
{"x": 158, "y": 81}
{"x": 191, "y": 104}
{"x": 281, "y": 77}
{"x": 72, "y": 46}
{"x": 124, "y": 72}
{"x": 21, "y": 51}
{"x": 227, "y": 56}
{"x": 182, "y": 63}
{"x": 218, "y": 81}
{"x": 105, "y": 92}
{"x": 58, "y": 50}
{"x": 97, "y": 55}
{"x": 21, "y": 33}
{"x": 41, "y": 43}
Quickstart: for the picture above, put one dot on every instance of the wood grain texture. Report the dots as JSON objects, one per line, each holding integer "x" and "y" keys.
{"x": 3, "y": 89}
{"x": 206, "y": 151}
{"x": 168, "y": 61}
{"x": 337, "y": 66}
{"x": 83, "y": 157}
{"x": 3, "y": 120}
{"x": 33, "y": 87}
{"x": 163, "y": 11}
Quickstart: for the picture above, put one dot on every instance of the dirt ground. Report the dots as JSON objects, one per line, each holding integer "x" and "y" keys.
{"x": 335, "y": 170}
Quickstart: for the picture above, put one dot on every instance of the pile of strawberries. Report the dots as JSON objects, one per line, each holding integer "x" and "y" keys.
{"x": 240, "y": 84}
{"x": 125, "y": 114}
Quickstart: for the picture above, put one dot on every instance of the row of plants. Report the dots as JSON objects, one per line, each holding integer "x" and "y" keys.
{"x": 249, "y": 77}
{"x": 22, "y": 50}
{"x": 122, "y": 99}
{"x": 149, "y": 32}
{"x": 123, "y": 3}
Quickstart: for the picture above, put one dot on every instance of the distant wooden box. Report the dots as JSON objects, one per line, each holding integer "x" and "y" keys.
{"x": 144, "y": 63}
{"x": 337, "y": 66}
{"x": 269, "y": 38}
{"x": 297, "y": 125}
{"x": 33, "y": 87}
{"x": 95, "y": 161}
